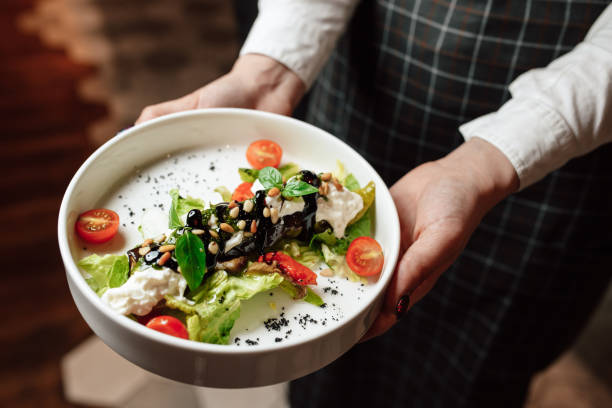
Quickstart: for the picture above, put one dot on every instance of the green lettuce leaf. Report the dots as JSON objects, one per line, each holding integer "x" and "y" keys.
{"x": 313, "y": 298}
{"x": 217, "y": 304}
{"x": 248, "y": 175}
{"x": 181, "y": 206}
{"x": 226, "y": 195}
{"x": 338, "y": 264}
{"x": 103, "y": 272}
{"x": 351, "y": 183}
{"x": 289, "y": 170}
{"x": 368, "y": 194}
{"x": 295, "y": 291}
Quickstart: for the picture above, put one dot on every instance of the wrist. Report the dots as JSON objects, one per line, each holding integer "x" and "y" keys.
{"x": 268, "y": 81}
{"x": 491, "y": 172}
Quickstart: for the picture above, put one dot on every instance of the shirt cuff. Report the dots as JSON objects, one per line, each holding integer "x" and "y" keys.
{"x": 533, "y": 136}
{"x": 299, "y": 34}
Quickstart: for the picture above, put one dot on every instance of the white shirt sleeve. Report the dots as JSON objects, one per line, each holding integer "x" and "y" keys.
{"x": 300, "y": 34}
{"x": 558, "y": 112}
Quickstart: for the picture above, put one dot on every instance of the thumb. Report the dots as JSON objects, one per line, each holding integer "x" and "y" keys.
{"x": 184, "y": 103}
{"x": 430, "y": 254}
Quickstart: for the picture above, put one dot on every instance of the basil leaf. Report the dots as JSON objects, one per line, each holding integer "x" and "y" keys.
{"x": 270, "y": 177}
{"x": 296, "y": 188}
{"x": 248, "y": 175}
{"x": 173, "y": 218}
{"x": 289, "y": 170}
{"x": 191, "y": 257}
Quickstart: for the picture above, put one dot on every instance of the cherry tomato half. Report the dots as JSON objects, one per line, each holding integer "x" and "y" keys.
{"x": 264, "y": 153}
{"x": 97, "y": 226}
{"x": 168, "y": 325}
{"x": 365, "y": 256}
{"x": 243, "y": 192}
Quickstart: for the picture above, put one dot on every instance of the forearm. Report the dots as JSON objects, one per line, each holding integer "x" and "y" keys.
{"x": 299, "y": 33}
{"x": 558, "y": 112}
{"x": 265, "y": 78}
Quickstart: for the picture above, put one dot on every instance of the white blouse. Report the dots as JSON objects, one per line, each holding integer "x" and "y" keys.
{"x": 556, "y": 113}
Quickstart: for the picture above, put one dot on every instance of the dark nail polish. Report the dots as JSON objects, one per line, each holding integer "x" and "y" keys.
{"x": 402, "y": 306}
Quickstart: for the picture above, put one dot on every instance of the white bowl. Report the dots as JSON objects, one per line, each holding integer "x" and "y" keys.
{"x": 227, "y": 131}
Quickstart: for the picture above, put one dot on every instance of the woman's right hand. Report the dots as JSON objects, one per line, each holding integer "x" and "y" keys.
{"x": 255, "y": 82}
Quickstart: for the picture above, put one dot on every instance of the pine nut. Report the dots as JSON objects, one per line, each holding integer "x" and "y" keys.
{"x": 232, "y": 204}
{"x": 241, "y": 224}
{"x": 213, "y": 234}
{"x": 166, "y": 248}
{"x": 147, "y": 242}
{"x": 248, "y": 234}
{"x": 226, "y": 227}
{"x": 213, "y": 247}
{"x": 163, "y": 258}
{"x": 161, "y": 238}
{"x": 142, "y": 251}
{"x": 247, "y": 206}
{"x": 253, "y": 227}
{"x": 327, "y": 273}
{"x": 197, "y": 231}
{"x": 273, "y": 192}
{"x": 234, "y": 212}
{"x": 274, "y": 215}
{"x": 326, "y": 176}
{"x": 266, "y": 212}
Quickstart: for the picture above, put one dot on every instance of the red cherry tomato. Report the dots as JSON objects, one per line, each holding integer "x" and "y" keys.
{"x": 169, "y": 325}
{"x": 97, "y": 226}
{"x": 243, "y": 192}
{"x": 365, "y": 256}
{"x": 264, "y": 153}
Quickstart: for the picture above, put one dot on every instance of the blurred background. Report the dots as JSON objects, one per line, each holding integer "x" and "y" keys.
{"x": 72, "y": 74}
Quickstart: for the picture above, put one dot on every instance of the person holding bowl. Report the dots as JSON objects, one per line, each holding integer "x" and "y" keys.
{"x": 491, "y": 121}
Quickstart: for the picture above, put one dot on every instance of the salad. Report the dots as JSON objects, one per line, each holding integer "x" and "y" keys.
{"x": 282, "y": 227}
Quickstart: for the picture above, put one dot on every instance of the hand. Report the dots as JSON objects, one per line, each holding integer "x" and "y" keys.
{"x": 440, "y": 204}
{"x": 255, "y": 82}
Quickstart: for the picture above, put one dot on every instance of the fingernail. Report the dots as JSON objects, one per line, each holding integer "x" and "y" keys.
{"x": 402, "y": 306}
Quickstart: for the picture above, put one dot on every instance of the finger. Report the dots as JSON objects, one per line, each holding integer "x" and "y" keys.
{"x": 430, "y": 254}
{"x": 383, "y": 322}
{"x": 184, "y": 103}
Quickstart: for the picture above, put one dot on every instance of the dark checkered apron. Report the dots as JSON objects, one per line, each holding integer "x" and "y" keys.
{"x": 401, "y": 81}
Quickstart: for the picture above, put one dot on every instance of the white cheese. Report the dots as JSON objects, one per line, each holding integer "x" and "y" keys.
{"x": 339, "y": 208}
{"x": 143, "y": 290}
{"x": 257, "y": 186}
{"x": 285, "y": 207}
{"x": 291, "y": 206}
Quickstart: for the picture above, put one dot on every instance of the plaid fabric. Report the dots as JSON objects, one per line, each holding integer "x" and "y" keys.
{"x": 401, "y": 81}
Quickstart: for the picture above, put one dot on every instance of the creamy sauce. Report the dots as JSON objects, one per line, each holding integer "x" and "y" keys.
{"x": 339, "y": 208}
{"x": 143, "y": 290}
